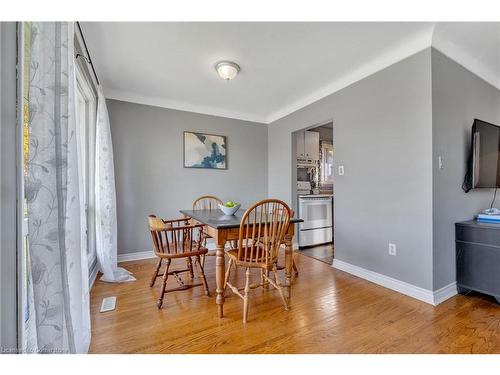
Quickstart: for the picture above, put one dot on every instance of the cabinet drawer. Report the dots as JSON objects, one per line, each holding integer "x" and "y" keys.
{"x": 478, "y": 267}
{"x": 486, "y": 236}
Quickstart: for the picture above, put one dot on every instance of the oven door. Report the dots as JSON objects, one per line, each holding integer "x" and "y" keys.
{"x": 316, "y": 212}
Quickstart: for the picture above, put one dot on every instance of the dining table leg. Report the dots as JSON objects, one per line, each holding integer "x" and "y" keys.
{"x": 288, "y": 264}
{"x": 219, "y": 273}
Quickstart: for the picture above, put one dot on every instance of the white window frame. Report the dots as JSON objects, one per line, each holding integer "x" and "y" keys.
{"x": 87, "y": 131}
{"x": 324, "y": 178}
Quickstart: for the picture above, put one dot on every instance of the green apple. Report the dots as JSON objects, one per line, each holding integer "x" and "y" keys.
{"x": 229, "y": 204}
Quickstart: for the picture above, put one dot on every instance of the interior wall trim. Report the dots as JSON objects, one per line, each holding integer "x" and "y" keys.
{"x": 92, "y": 277}
{"x": 425, "y": 295}
{"x": 444, "y": 293}
{"x": 180, "y": 106}
{"x": 410, "y": 47}
{"x": 136, "y": 256}
{"x": 150, "y": 254}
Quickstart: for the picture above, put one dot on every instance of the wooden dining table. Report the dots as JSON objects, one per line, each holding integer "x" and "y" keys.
{"x": 223, "y": 228}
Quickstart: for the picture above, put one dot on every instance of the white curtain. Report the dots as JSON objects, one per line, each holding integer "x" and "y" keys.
{"x": 59, "y": 294}
{"x": 105, "y": 200}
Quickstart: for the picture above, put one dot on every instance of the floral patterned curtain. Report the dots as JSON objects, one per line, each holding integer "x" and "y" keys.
{"x": 59, "y": 292}
{"x": 105, "y": 199}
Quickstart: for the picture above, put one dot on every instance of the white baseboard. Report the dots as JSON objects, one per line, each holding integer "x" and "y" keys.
{"x": 92, "y": 277}
{"x": 136, "y": 256}
{"x": 445, "y": 293}
{"x": 425, "y": 295}
{"x": 150, "y": 254}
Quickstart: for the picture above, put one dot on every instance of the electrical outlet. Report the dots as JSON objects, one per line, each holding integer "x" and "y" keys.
{"x": 392, "y": 249}
{"x": 341, "y": 170}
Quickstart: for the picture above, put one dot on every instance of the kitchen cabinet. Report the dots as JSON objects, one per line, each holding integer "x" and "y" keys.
{"x": 307, "y": 145}
{"x": 299, "y": 138}
{"x": 311, "y": 145}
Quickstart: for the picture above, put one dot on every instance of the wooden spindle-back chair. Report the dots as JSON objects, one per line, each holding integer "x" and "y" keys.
{"x": 176, "y": 239}
{"x": 281, "y": 267}
{"x": 206, "y": 202}
{"x": 211, "y": 203}
{"x": 262, "y": 230}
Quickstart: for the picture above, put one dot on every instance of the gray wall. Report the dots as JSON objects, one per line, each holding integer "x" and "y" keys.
{"x": 150, "y": 177}
{"x": 8, "y": 298}
{"x": 458, "y": 96}
{"x": 383, "y": 136}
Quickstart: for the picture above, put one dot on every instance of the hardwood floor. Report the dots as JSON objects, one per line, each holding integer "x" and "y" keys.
{"x": 323, "y": 253}
{"x": 331, "y": 312}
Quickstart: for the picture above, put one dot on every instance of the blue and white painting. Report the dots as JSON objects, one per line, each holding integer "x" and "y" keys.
{"x": 204, "y": 151}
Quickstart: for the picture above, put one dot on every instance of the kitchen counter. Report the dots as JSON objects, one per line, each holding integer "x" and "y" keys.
{"x": 315, "y": 195}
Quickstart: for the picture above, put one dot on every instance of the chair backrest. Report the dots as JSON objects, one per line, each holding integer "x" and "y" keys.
{"x": 174, "y": 237}
{"x": 262, "y": 229}
{"x": 206, "y": 202}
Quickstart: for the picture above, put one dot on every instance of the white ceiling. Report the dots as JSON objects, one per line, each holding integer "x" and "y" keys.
{"x": 284, "y": 66}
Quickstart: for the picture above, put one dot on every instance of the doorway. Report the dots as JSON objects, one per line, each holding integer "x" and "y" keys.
{"x": 313, "y": 190}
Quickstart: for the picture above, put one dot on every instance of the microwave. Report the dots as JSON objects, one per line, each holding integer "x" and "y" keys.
{"x": 303, "y": 174}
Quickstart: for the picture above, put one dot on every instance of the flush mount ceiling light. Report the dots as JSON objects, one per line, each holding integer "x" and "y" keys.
{"x": 227, "y": 70}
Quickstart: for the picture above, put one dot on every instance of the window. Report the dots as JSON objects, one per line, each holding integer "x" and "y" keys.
{"x": 326, "y": 163}
{"x": 86, "y": 111}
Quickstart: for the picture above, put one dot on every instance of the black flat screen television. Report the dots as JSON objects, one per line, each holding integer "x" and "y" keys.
{"x": 484, "y": 159}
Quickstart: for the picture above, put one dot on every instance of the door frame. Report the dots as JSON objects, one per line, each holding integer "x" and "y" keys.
{"x": 294, "y": 163}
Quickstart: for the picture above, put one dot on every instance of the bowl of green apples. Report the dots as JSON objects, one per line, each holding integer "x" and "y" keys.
{"x": 229, "y": 208}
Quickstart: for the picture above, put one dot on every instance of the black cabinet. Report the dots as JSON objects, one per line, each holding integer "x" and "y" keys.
{"x": 478, "y": 257}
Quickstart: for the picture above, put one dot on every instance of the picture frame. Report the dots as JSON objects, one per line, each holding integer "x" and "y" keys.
{"x": 204, "y": 150}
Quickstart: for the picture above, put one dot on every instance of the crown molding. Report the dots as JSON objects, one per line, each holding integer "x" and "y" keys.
{"x": 180, "y": 106}
{"x": 466, "y": 60}
{"x": 410, "y": 47}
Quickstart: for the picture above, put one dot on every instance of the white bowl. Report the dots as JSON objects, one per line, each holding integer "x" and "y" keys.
{"x": 229, "y": 210}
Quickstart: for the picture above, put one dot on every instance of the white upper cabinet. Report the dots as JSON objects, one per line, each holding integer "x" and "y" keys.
{"x": 311, "y": 145}
{"x": 301, "y": 152}
{"x": 307, "y": 145}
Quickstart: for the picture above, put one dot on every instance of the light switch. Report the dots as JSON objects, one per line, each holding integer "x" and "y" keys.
{"x": 341, "y": 170}
{"x": 440, "y": 162}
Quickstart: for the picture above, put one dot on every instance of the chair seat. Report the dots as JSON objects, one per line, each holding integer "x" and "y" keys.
{"x": 233, "y": 253}
{"x": 180, "y": 251}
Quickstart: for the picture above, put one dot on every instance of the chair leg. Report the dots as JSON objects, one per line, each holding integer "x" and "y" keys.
{"x": 153, "y": 279}
{"x": 263, "y": 280}
{"x": 245, "y": 297}
{"x": 295, "y": 270}
{"x": 163, "y": 285}
{"x": 279, "y": 287}
{"x": 228, "y": 272}
{"x": 203, "y": 278}
{"x": 189, "y": 262}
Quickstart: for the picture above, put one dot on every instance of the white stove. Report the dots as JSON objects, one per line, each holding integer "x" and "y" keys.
{"x": 317, "y": 213}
